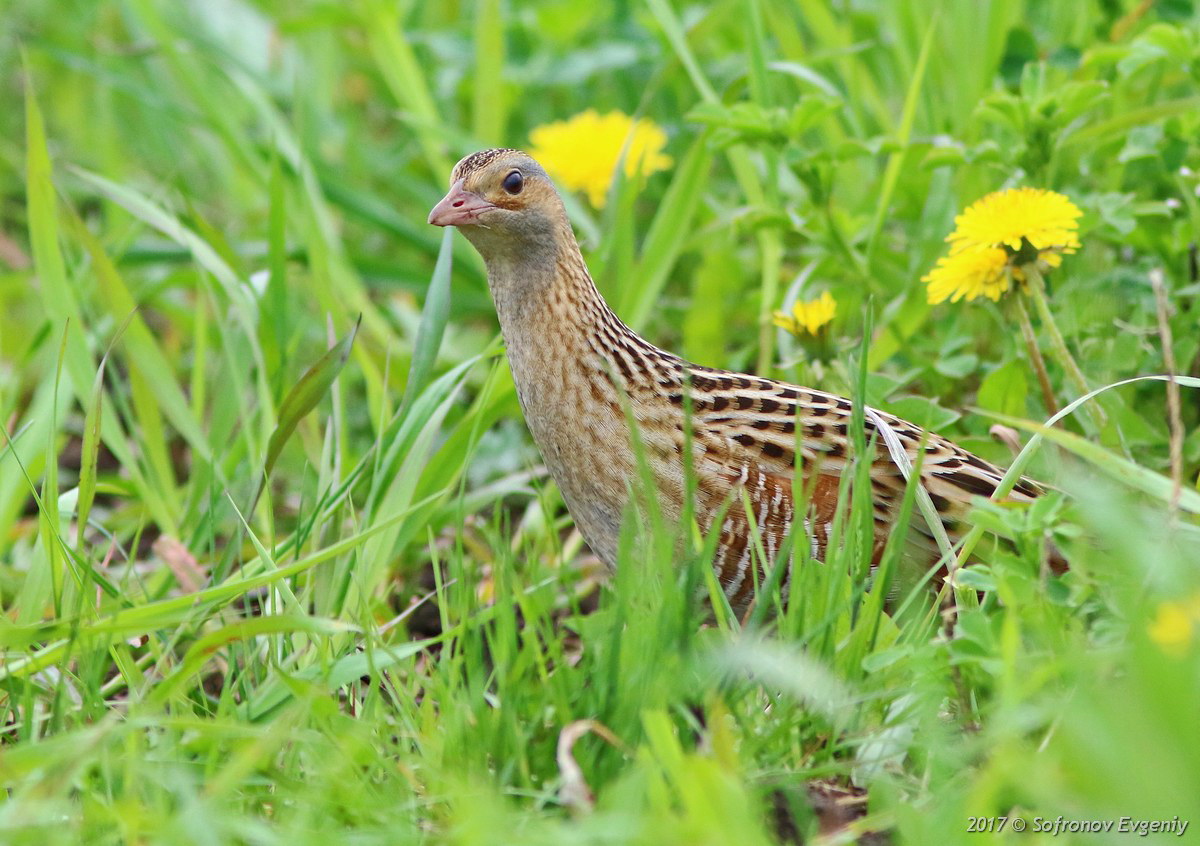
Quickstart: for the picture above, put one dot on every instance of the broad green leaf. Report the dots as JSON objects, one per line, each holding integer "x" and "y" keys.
{"x": 956, "y": 366}
{"x": 1004, "y": 390}
{"x": 924, "y": 412}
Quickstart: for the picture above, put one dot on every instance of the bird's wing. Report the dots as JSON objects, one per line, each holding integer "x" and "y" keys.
{"x": 762, "y": 422}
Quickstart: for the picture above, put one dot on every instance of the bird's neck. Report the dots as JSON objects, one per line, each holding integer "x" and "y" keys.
{"x": 575, "y": 365}
{"x": 573, "y": 361}
{"x": 551, "y": 312}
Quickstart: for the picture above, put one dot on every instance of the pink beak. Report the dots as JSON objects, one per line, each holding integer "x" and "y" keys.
{"x": 458, "y": 207}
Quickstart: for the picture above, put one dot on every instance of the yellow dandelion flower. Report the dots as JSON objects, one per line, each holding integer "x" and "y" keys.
{"x": 1172, "y": 628}
{"x": 1175, "y": 624}
{"x": 809, "y": 316}
{"x": 997, "y": 236}
{"x": 1046, "y": 219}
{"x": 582, "y": 153}
{"x": 969, "y": 274}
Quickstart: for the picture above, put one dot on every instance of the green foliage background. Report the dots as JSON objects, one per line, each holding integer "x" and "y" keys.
{"x": 197, "y": 200}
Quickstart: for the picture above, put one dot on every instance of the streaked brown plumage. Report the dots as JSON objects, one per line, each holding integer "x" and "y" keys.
{"x": 572, "y": 359}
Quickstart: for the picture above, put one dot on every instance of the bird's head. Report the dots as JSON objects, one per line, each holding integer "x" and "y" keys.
{"x": 505, "y": 205}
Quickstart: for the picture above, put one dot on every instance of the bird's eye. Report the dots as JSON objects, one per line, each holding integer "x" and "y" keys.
{"x": 514, "y": 182}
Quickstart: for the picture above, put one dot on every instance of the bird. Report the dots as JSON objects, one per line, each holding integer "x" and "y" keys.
{"x": 581, "y": 375}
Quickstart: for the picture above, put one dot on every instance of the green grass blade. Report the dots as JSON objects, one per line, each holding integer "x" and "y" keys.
{"x": 276, "y": 303}
{"x": 41, "y": 200}
{"x": 670, "y": 229}
{"x": 488, "y": 101}
{"x": 433, "y": 321}
{"x": 144, "y": 352}
{"x": 234, "y": 287}
{"x": 90, "y": 454}
{"x": 202, "y": 650}
{"x": 1117, "y": 466}
{"x": 891, "y": 173}
{"x": 403, "y": 73}
{"x": 164, "y": 613}
{"x": 58, "y": 296}
{"x": 304, "y": 396}
{"x": 49, "y": 524}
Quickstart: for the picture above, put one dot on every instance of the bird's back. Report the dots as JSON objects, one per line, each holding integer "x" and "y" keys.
{"x": 784, "y": 449}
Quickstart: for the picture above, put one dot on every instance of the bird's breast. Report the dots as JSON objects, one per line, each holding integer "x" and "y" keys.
{"x": 573, "y": 411}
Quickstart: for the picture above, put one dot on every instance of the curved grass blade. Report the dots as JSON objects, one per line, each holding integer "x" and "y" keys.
{"x": 202, "y": 650}
{"x": 171, "y": 611}
{"x": 238, "y": 290}
{"x": 1013, "y": 474}
{"x": 303, "y": 398}
{"x": 276, "y": 691}
{"x": 1117, "y": 466}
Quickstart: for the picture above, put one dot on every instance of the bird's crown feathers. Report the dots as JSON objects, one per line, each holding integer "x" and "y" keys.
{"x": 477, "y": 161}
